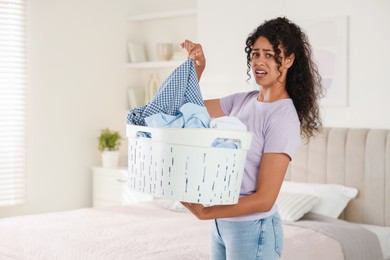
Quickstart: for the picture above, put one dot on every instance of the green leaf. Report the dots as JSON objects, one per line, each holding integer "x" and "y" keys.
{"x": 109, "y": 140}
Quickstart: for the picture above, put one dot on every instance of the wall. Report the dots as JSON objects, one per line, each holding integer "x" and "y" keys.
{"x": 224, "y": 38}
{"x": 76, "y": 64}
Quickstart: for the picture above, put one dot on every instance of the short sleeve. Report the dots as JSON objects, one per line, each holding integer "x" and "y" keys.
{"x": 235, "y": 101}
{"x": 283, "y": 134}
{"x": 226, "y": 104}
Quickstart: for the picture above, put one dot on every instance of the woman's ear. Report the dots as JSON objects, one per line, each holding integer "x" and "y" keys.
{"x": 290, "y": 61}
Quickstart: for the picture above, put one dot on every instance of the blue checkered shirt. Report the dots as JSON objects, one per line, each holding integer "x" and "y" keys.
{"x": 179, "y": 88}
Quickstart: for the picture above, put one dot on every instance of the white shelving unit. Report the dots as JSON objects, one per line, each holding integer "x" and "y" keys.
{"x": 153, "y": 17}
{"x": 161, "y": 15}
{"x": 154, "y": 64}
{"x": 149, "y": 29}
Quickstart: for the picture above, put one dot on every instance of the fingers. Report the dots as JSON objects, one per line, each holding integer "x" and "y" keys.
{"x": 187, "y": 45}
{"x": 184, "y": 204}
{"x": 188, "y": 206}
{"x": 193, "y": 49}
{"x": 194, "y": 52}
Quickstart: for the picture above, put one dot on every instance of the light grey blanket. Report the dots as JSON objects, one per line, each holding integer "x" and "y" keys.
{"x": 356, "y": 242}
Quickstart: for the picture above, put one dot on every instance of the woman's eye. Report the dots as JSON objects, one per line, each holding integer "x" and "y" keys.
{"x": 255, "y": 55}
{"x": 268, "y": 55}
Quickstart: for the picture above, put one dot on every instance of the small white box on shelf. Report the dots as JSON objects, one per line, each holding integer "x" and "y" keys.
{"x": 182, "y": 164}
{"x": 136, "y": 52}
{"x": 132, "y": 98}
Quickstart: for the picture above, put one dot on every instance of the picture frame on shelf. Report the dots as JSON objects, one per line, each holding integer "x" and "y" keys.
{"x": 132, "y": 98}
{"x": 136, "y": 52}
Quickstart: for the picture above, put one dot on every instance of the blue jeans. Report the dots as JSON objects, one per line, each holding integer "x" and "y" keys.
{"x": 247, "y": 240}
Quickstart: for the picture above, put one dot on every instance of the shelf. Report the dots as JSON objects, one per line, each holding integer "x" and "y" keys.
{"x": 154, "y": 64}
{"x": 161, "y": 15}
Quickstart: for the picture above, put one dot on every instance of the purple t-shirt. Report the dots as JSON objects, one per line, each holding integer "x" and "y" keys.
{"x": 276, "y": 129}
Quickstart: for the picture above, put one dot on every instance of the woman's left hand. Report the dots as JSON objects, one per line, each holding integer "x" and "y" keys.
{"x": 195, "y": 52}
{"x": 197, "y": 209}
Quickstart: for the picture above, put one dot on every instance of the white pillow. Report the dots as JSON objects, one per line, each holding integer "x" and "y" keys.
{"x": 334, "y": 197}
{"x": 292, "y": 206}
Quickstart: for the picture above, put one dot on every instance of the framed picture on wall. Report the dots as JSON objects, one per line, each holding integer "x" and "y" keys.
{"x": 329, "y": 41}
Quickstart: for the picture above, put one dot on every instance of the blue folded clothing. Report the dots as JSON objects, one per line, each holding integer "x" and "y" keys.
{"x": 226, "y": 143}
{"x": 190, "y": 116}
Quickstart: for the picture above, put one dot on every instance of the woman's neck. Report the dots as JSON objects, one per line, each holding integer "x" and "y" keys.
{"x": 272, "y": 94}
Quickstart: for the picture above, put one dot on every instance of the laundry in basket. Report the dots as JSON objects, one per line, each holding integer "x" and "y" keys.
{"x": 181, "y": 163}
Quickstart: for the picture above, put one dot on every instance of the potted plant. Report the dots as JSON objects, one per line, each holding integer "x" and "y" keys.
{"x": 109, "y": 143}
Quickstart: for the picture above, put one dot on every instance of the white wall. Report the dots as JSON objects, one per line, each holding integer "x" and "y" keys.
{"x": 77, "y": 55}
{"x": 224, "y": 25}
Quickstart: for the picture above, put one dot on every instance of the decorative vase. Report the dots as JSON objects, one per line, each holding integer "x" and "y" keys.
{"x": 152, "y": 88}
{"x": 164, "y": 51}
{"x": 110, "y": 159}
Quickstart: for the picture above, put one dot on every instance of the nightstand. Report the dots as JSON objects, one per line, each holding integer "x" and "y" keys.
{"x": 110, "y": 188}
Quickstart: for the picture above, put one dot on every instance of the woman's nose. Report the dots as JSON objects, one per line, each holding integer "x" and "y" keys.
{"x": 259, "y": 61}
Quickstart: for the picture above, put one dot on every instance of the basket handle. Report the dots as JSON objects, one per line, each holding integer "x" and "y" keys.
{"x": 143, "y": 134}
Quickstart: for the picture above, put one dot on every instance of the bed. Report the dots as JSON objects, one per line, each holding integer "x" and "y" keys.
{"x": 334, "y": 204}
{"x": 336, "y": 162}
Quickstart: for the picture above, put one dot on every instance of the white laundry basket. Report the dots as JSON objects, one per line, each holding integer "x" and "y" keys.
{"x": 181, "y": 164}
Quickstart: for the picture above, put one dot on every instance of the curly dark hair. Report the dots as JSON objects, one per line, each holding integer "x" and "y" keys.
{"x": 303, "y": 82}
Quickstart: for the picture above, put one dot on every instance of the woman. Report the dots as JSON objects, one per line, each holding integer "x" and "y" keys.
{"x": 284, "y": 109}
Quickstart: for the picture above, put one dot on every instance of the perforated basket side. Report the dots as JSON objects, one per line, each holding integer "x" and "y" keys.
{"x": 185, "y": 173}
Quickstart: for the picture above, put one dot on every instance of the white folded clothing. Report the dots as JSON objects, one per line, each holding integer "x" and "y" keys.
{"x": 228, "y": 122}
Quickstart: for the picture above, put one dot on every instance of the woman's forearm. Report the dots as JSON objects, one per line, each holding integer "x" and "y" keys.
{"x": 246, "y": 205}
{"x": 199, "y": 71}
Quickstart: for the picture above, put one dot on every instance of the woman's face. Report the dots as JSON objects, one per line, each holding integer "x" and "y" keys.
{"x": 264, "y": 67}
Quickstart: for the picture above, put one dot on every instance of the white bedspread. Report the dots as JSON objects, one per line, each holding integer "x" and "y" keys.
{"x": 139, "y": 232}
{"x": 126, "y": 232}
{"x": 307, "y": 244}
{"x": 357, "y": 243}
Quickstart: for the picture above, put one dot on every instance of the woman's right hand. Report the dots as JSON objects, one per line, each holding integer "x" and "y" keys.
{"x": 195, "y": 52}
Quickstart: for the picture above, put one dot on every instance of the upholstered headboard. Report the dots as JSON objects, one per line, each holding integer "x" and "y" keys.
{"x": 357, "y": 158}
